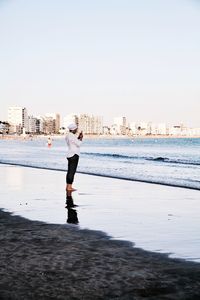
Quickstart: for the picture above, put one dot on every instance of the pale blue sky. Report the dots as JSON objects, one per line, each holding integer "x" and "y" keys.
{"x": 138, "y": 58}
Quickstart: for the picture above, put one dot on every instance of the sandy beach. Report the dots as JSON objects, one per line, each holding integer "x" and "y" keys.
{"x": 57, "y": 260}
{"x": 42, "y": 261}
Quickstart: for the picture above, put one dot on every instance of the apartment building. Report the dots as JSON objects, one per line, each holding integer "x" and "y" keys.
{"x": 90, "y": 124}
{"x": 51, "y": 123}
{"x": 119, "y": 125}
{"x": 18, "y": 119}
{"x": 32, "y": 121}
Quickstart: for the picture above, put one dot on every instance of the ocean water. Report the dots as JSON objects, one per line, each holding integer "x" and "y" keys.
{"x": 173, "y": 162}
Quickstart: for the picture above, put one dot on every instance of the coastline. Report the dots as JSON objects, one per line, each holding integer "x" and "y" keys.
{"x": 102, "y": 176}
{"x": 108, "y": 137}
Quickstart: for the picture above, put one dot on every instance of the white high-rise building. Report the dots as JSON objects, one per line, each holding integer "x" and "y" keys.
{"x": 18, "y": 119}
{"x": 91, "y": 124}
{"x": 120, "y": 125}
{"x": 32, "y": 121}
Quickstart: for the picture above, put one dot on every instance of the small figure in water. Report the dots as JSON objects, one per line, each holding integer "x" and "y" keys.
{"x": 49, "y": 142}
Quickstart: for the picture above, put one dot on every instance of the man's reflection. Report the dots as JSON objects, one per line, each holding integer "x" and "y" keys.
{"x": 71, "y": 212}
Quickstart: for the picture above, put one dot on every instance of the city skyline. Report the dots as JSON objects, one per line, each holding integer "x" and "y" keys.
{"x": 70, "y": 117}
{"x": 20, "y": 122}
{"x": 107, "y": 121}
{"x": 112, "y": 58}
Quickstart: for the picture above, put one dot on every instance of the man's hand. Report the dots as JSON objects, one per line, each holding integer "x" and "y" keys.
{"x": 80, "y": 137}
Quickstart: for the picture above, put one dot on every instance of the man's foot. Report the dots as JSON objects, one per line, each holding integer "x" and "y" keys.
{"x": 71, "y": 189}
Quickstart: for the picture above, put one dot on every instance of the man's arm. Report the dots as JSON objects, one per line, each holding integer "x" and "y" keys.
{"x": 76, "y": 141}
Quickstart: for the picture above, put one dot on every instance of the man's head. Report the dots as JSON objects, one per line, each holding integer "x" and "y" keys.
{"x": 73, "y": 128}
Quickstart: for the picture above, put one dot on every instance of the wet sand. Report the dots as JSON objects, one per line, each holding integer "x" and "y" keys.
{"x": 61, "y": 261}
{"x": 48, "y": 261}
{"x": 153, "y": 217}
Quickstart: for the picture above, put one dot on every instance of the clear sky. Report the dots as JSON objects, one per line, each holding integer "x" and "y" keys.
{"x": 137, "y": 58}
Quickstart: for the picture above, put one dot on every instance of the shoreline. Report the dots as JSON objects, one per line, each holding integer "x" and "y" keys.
{"x": 50, "y": 261}
{"x": 108, "y": 137}
{"x": 104, "y": 176}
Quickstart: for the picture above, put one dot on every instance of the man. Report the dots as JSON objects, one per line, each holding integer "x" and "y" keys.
{"x": 73, "y": 143}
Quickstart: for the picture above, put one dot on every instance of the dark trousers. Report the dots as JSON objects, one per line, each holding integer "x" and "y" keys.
{"x": 72, "y": 166}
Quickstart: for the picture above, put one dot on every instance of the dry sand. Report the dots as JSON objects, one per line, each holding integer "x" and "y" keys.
{"x": 47, "y": 261}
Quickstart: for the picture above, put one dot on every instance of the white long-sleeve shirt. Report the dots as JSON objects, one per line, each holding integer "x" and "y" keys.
{"x": 73, "y": 144}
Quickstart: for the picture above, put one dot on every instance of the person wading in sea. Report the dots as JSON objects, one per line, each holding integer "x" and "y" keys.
{"x": 73, "y": 143}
